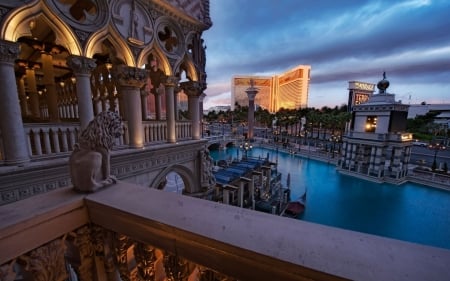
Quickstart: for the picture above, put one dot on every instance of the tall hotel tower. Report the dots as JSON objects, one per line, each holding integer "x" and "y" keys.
{"x": 288, "y": 90}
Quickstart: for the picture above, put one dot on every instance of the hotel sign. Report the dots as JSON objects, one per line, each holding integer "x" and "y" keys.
{"x": 355, "y": 85}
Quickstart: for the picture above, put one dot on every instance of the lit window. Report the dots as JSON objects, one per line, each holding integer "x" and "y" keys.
{"x": 371, "y": 124}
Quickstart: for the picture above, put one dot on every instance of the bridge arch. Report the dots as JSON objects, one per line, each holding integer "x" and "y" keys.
{"x": 185, "y": 173}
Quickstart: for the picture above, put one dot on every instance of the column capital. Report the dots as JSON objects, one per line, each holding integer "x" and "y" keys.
{"x": 144, "y": 93}
{"x": 9, "y": 51}
{"x": 170, "y": 81}
{"x": 129, "y": 76}
{"x": 81, "y": 65}
{"x": 191, "y": 88}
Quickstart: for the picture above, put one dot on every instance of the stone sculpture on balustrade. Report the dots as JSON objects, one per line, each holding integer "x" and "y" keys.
{"x": 89, "y": 163}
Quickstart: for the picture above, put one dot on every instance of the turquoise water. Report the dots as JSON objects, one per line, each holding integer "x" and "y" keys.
{"x": 408, "y": 212}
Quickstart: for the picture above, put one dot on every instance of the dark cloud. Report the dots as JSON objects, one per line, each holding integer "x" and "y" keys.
{"x": 341, "y": 40}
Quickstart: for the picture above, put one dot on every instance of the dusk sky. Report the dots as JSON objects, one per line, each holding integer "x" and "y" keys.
{"x": 345, "y": 40}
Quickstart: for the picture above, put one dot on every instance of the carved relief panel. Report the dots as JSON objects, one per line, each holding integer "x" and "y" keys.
{"x": 132, "y": 22}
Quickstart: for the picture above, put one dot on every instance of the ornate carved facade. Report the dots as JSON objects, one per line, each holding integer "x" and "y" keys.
{"x": 68, "y": 61}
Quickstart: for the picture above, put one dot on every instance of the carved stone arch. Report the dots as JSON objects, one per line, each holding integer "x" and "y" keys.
{"x": 188, "y": 66}
{"x": 87, "y": 15}
{"x": 163, "y": 62}
{"x": 169, "y": 37}
{"x": 94, "y": 45}
{"x": 184, "y": 172}
{"x": 18, "y": 23}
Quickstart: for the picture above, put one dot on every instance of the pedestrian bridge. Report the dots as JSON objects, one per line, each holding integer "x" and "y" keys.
{"x": 222, "y": 141}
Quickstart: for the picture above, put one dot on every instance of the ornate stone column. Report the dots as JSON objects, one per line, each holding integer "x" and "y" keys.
{"x": 176, "y": 91}
{"x": 193, "y": 91}
{"x": 22, "y": 96}
{"x": 82, "y": 68}
{"x": 144, "y": 97}
{"x": 170, "y": 83}
{"x": 33, "y": 92}
{"x": 49, "y": 82}
{"x": 14, "y": 141}
{"x": 251, "y": 93}
{"x": 131, "y": 80}
{"x": 158, "y": 92}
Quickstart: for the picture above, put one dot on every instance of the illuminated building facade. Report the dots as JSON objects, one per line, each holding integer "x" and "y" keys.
{"x": 377, "y": 146}
{"x": 289, "y": 90}
{"x": 359, "y": 92}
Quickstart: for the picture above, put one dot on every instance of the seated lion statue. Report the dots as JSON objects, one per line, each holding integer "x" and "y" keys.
{"x": 90, "y": 160}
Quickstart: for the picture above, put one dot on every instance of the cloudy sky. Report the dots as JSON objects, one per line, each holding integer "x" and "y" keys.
{"x": 343, "y": 41}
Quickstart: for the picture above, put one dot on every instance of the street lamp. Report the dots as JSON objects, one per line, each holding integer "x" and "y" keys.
{"x": 334, "y": 140}
{"x": 245, "y": 147}
{"x": 436, "y": 147}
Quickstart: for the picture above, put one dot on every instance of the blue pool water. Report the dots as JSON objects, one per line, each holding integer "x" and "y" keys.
{"x": 409, "y": 212}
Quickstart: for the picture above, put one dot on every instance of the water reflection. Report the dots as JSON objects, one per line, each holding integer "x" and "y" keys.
{"x": 409, "y": 212}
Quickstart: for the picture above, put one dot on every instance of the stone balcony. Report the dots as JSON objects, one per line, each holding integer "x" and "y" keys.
{"x": 194, "y": 236}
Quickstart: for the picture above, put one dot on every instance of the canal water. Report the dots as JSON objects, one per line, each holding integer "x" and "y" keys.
{"x": 408, "y": 212}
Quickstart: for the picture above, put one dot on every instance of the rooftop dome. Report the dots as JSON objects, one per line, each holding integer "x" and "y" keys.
{"x": 383, "y": 84}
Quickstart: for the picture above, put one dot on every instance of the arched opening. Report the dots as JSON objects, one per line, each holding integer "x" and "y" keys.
{"x": 47, "y": 93}
{"x": 172, "y": 183}
{"x": 175, "y": 178}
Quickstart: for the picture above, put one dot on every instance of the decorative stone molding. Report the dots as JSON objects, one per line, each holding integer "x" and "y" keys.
{"x": 145, "y": 260}
{"x": 7, "y": 272}
{"x": 81, "y": 65}
{"x": 86, "y": 250}
{"x": 137, "y": 29}
{"x": 121, "y": 245}
{"x": 171, "y": 81}
{"x": 129, "y": 76}
{"x": 176, "y": 268}
{"x": 47, "y": 262}
{"x": 87, "y": 16}
{"x": 191, "y": 88}
{"x": 9, "y": 51}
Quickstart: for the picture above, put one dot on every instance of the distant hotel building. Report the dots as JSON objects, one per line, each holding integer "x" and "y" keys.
{"x": 288, "y": 90}
{"x": 359, "y": 92}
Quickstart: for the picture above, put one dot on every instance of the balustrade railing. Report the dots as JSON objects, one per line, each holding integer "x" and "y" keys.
{"x": 51, "y": 139}
{"x": 58, "y": 139}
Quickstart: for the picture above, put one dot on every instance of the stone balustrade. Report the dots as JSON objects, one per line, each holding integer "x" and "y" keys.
{"x": 139, "y": 233}
{"x": 50, "y": 139}
{"x": 57, "y": 139}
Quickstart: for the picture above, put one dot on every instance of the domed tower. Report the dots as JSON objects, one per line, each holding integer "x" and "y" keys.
{"x": 376, "y": 145}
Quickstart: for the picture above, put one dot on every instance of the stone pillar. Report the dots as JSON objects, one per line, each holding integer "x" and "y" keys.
{"x": 14, "y": 141}
{"x": 202, "y": 98}
{"x": 49, "y": 82}
{"x": 22, "y": 96}
{"x": 176, "y": 91}
{"x": 144, "y": 97}
{"x": 193, "y": 92}
{"x": 251, "y": 94}
{"x": 33, "y": 93}
{"x": 170, "y": 84}
{"x": 82, "y": 68}
{"x": 158, "y": 93}
{"x": 131, "y": 81}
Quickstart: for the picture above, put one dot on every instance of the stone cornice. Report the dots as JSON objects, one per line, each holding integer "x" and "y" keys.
{"x": 180, "y": 16}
